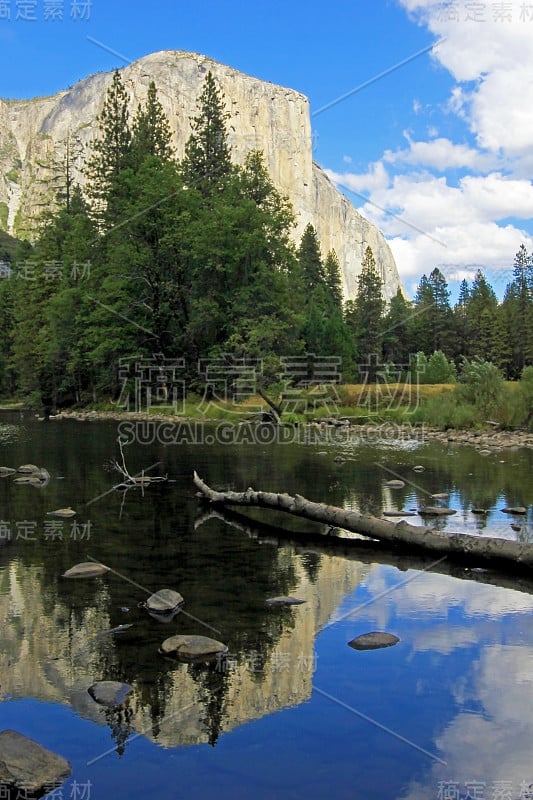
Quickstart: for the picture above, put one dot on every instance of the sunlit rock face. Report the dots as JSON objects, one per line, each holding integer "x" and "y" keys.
{"x": 263, "y": 117}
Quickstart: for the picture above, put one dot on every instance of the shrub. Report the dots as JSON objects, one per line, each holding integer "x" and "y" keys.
{"x": 525, "y": 391}
{"x": 439, "y": 369}
{"x": 481, "y": 385}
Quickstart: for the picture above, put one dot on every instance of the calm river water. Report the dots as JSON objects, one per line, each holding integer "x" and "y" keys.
{"x": 294, "y": 712}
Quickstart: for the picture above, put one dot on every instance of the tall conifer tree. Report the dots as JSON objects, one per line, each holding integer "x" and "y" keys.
{"x": 207, "y": 161}
{"x": 151, "y": 134}
{"x": 111, "y": 154}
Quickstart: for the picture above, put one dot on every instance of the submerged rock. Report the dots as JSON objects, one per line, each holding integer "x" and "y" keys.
{"x": 399, "y": 513}
{"x": 435, "y": 511}
{"x": 480, "y": 511}
{"x": 419, "y": 468}
{"x": 32, "y": 475}
{"x": 5, "y": 471}
{"x": 374, "y": 640}
{"x": 113, "y": 631}
{"x": 87, "y": 569}
{"x": 109, "y": 693}
{"x": 395, "y": 484}
{"x": 165, "y": 601}
{"x": 41, "y": 474}
{"x": 188, "y": 647}
{"x": 64, "y": 513}
{"x": 284, "y": 601}
{"x": 515, "y": 510}
{"x": 26, "y": 767}
{"x": 440, "y": 496}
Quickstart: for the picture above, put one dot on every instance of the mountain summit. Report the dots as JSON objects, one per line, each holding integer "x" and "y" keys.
{"x": 263, "y": 117}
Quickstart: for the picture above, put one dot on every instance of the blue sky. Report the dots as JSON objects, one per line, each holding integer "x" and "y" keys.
{"x": 438, "y": 152}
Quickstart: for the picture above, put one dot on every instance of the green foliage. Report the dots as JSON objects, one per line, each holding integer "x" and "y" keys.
{"x": 447, "y": 412}
{"x": 398, "y": 341}
{"x": 439, "y": 369}
{"x": 432, "y": 321}
{"x": 310, "y": 260}
{"x": 4, "y": 213}
{"x": 525, "y": 392}
{"x": 481, "y": 385}
{"x": 151, "y": 131}
{"x": 207, "y": 161}
{"x": 364, "y": 316}
{"x": 195, "y": 260}
{"x": 333, "y": 280}
{"x": 111, "y": 155}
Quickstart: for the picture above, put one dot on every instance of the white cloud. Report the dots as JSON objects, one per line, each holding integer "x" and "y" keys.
{"x": 493, "y": 746}
{"x": 435, "y": 595}
{"x": 429, "y": 223}
{"x": 478, "y": 219}
{"x": 469, "y": 247}
{"x": 441, "y": 154}
{"x": 497, "y": 55}
{"x": 376, "y": 178}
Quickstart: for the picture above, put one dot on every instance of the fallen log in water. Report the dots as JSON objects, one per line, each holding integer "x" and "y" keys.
{"x": 465, "y": 546}
{"x": 372, "y": 552}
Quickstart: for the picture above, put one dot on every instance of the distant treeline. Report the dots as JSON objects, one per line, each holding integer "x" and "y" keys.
{"x": 191, "y": 262}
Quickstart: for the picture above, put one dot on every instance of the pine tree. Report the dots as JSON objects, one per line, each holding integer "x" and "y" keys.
{"x": 151, "y": 135}
{"x": 460, "y": 323}
{"x": 433, "y": 317}
{"x": 333, "y": 279}
{"x": 242, "y": 269}
{"x": 312, "y": 287}
{"x": 481, "y": 310}
{"x": 365, "y": 315}
{"x": 397, "y": 339}
{"x": 310, "y": 260}
{"x": 49, "y": 324}
{"x": 63, "y": 178}
{"x": 523, "y": 282}
{"x": 507, "y": 344}
{"x": 440, "y": 316}
{"x": 207, "y": 161}
{"x": 111, "y": 154}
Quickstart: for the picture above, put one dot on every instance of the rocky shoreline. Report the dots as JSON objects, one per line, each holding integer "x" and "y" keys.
{"x": 486, "y": 441}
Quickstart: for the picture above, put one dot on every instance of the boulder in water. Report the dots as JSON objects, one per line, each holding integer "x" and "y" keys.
{"x": 109, "y": 693}
{"x": 87, "y": 569}
{"x": 284, "y": 601}
{"x": 165, "y": 601}
{"x": 27, "y": 768}
{"x": 188, "y": 647}
{"x": 435, "y": 511}
{"x": 374, "y": 640}
{"x": 63, "y": 513}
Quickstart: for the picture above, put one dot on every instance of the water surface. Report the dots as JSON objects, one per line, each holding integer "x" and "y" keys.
{"x": 294, "y": 712}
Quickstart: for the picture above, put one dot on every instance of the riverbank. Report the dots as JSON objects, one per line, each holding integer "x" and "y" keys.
{"x": 487, "y": 441}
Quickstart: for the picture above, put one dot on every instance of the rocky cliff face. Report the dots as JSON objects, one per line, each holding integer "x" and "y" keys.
{"x": 262, "y": 117}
